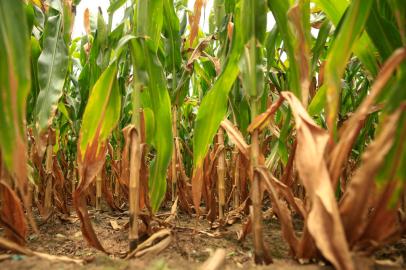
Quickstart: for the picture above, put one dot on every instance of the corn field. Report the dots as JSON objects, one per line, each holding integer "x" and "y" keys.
{"x": 276, "y": 136}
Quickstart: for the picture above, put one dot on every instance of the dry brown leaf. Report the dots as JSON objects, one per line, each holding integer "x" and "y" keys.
{"x": 384, "y": 226}
{"x": 88, "y": 166}
{"x": 261, "y": 120}
{"x": 12, "y": 215}
{"x": 153, "y": 245}
{"x": 197, "y": 186}
{"x": 230, "y": 30}
{"x": 246, "y": 228}
{"x": 86, "y": 21}
{"x": 8, "y": 245}
{"x": 287, "y": 178}
{"x": 4, "y": 257}
{"x": 323, "y": 220}
{"x": 280, "y": 209}
{"x": 184, "y": 191}
{"x": 125, "y": 160}
{"x": 59, "y": 185}
{"x": 114, "y": 225}
{"x": 236, "y": 214}
{"x": 215, "y": 61}
{"x": 236, "y": 137}
{"x": 197, "y": 52}
{"x": 174, "y": 209}
{"x": 195, "y": 20}
{"x": 107, "y": 192}
{"x": 216, "y": 261}
{"x": 352, "y": 127}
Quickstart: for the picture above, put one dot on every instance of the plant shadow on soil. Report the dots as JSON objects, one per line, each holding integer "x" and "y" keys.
{"x": 188, "y": 249}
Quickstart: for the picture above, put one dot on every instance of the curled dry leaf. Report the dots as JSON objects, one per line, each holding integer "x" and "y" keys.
{"x": 12, "y": 215}
{"x": 261, "y": 120}
{"x": 59, "y": 184}
{"x": 153, "y": 245}
{"x": 89, "y": 166}
{"x": 197, "y": 52}
{"x": 215, "y": 61}
{"x": 173, "y": 213}
{"x": 216, "y": 261}
{"x": 230, "y": 29}
{"x": 197, "y": 185}
{"x": 246, "y": 228}
{"x": 183, "y": 182}
{"x": 323, "y": 221}
{"x": 287, "y": 178}
{"x": 86, "y": 21}
{"x": 195, "y": 20}
{"x": 115, "y": 225}
{"x": 236, "y": 137}
{"x": 280, "y": 208}
{"x": 8, "y": 245}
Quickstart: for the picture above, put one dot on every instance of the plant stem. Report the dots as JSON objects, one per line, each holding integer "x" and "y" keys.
{"x": 135, "y": 162}
{"x": 221, "y": 173}
{"x": 48, "y": 187}
{"x": 135, "y": 165}
{"x": 98, "y": 191}
{"x": 237, "y": 187}
{"x": 173, "y": 163}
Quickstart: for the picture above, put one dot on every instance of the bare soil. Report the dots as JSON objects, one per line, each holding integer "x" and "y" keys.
{"x": 192, "y": 244}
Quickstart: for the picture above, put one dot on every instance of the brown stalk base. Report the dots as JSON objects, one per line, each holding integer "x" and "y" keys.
{"x": 133, "y": 244}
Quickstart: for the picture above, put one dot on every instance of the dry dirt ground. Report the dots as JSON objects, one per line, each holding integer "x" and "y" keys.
{"x": 189, "y": 248}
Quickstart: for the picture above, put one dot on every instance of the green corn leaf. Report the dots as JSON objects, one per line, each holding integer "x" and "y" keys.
{"x": 15, "y": 84}
{"x": 339, "y": 53}
{"x": 280, "y": 10}
{"x": 149, "y": 23}
{"x": 320, "y": 43}
{"x": 161, "y": 106}
{"x": 115, "y": 5}
{"x": 383, "y": 31}
{"x": 150, "y": 18}
{"x": 253, "y": 32}
{"x": 173, "y": 43}
{"x": 214, "y": 105}
{"x": 364, "y": 48}
{"x": 52, "y": 68}
{"x": 102, "y": 111}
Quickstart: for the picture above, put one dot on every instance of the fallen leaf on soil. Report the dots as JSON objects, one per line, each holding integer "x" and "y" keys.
{"x": 246, "y": 228}
{"x": 153, "y": 245}
{"x": 4, "y": 257}
{"x": 8, "y": 245}
{"x": 115, "y": 225}
{"x": 174, "y": 208}
{"x": 216, "y": 261}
